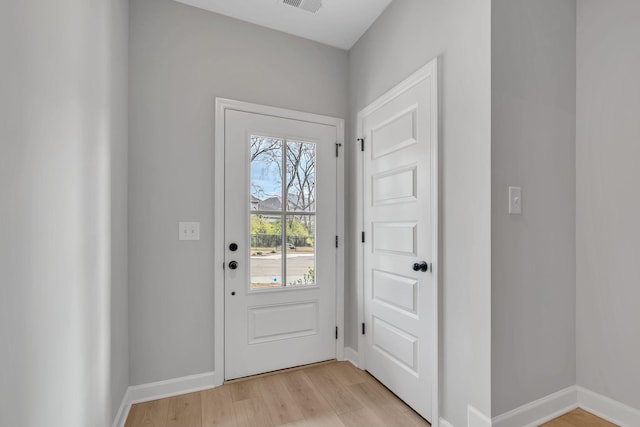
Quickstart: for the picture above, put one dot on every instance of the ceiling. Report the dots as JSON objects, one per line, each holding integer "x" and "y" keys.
{"x": 338, "y": 23}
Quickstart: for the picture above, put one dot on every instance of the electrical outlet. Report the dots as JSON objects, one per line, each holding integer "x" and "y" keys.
{"x": 189, "y": 230}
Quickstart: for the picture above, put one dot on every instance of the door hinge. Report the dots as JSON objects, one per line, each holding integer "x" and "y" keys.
{"x": 336, "y": 332}
{"x": 363, "y": 237}
{"x": 361, "y": 141}
{"x": 338, "y": 145}
{"x": 363, "y": 328}
{"x": 336, "y": 241}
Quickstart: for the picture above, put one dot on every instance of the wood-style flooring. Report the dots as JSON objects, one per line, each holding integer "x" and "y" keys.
{"x": 579, "y": 418}
{"x": 324, "y": 395}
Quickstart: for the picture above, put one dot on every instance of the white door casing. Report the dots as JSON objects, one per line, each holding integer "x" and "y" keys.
{"x": 399, "y": 306}
{"x": 274, "y": 328}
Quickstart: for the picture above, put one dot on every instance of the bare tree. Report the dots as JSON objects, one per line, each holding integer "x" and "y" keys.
{"x": 301, "y": 179}
{"x": 269, "y": 151}
{"x": 299, "y": 174}
{"x": 268, "y": 147}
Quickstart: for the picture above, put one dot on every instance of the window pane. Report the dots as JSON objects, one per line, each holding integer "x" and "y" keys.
{"x": 266, "y": 251}
{"x": 266, "y": 173}
{"x": 301, "y": 176}
{"x": 300, "y": 250}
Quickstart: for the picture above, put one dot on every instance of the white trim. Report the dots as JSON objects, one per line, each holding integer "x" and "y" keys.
{"x": 170, "y": 388}
{"x": 430, "y": 69}
{"x": 123, "y": 412}
{"x": 561, "y": 402}
{"x": 540, "y": 411}
{"x": 161, "y": 390}
{"x": 350, "y": 355}
{"x": 221, "y": 106}
{"x": 340, "y": 260}
{"x": 475, "y": 418}
{"x": 607, "y": 408}
{"x": 359, "y": 246}
{"x": 445, "y": 423}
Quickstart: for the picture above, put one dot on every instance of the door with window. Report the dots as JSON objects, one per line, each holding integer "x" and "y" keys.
{"x": 280, "y": 243}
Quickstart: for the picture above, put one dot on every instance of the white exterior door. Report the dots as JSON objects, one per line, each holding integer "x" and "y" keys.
{"x": 280, "y": 243}
{"x": 400, "y": 220}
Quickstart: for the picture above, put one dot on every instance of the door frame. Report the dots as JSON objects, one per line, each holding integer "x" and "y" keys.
{"x": 431, "y": 69}
{"x": 221, "y": 106}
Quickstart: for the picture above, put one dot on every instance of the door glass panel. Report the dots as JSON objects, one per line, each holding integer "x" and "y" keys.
{"x": 266, "y": 174}
{"x": 273, "y": 161}
{"x": 300, "y": 250}
{"x": 301, "y": 176}
{"x": 266, "y": 251}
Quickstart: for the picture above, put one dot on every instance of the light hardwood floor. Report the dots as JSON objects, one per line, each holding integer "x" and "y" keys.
{"x": 325, "y": 395}
{"x": 578, "y": 418}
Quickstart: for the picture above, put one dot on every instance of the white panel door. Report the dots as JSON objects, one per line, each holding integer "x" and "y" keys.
{"x": 400, "y": 219}
{"x": 280, "y": 238}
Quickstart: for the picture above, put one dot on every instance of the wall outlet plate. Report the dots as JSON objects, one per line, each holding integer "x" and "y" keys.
{"x": 189, "y": 230}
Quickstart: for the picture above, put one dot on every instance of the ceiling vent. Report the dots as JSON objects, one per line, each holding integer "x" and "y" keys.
{"x": 312, "y": 6}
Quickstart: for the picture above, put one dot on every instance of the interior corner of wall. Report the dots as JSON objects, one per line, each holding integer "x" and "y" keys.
{"x": 444, "y": 423}
{"x": 475, "y": 418}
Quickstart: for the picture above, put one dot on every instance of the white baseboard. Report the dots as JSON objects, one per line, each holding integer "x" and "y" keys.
{"x": 475, "y": 418}
{"x": 123, "y": 411}
{"x": 557, "y": 404}
{"x": 170, "y": 388}
{"x": 350, "y": 355}
{"x": 540, "y": 411}
{"x": 162, "y": 389}
{"x": 445, "y": 423}
{"x": 607, "y": 408}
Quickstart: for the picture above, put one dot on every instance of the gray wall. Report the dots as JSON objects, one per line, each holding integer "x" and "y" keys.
{"x": 181, "y": 58}
{"x": 63, "y": 136}
{"x": 533, "y": 146}
{"x": 406, "y": 36}
{"x": 608, "y": 225}
{"x": 118, "y": 91}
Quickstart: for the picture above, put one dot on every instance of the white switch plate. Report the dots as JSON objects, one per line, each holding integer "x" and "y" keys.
{"x": 515, "y": 200}
{"x": 189, "y": 230}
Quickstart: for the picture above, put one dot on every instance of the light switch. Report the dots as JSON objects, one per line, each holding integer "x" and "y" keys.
{"x": 189, "y": 230}
{"x": 515, "y": 200}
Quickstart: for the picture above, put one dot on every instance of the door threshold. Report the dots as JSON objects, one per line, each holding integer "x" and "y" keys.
{"x": 280, "y": 371}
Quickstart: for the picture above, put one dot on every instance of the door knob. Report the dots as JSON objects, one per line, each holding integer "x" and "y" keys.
{"x": 421, "y": 266}
{"x": 233, "y": 265}
{"x": 233, "y": 247}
